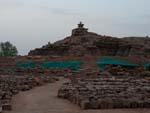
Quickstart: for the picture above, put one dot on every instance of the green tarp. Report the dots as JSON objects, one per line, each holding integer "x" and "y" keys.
{"x": 147, "y": 66}
{"x": 103, "y": 62}
{"x": 74, "y": 65}
{"x": 26, "y": 64}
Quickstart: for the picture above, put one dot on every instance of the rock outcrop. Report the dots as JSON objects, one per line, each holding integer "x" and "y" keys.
{"x": 82, "y": 42}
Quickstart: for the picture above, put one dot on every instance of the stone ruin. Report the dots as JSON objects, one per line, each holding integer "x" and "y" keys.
{"x": 80, "y": 31}
{"x": 7, "y": 62}
{"x": 11, "y": 85}
{"x": 107, "y": 92}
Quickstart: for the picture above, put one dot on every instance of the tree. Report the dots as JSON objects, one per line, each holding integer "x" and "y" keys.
{"x": 7, "y": 49}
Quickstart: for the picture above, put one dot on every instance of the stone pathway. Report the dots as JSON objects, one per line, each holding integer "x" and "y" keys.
{"x": 90, "y": 63}
{"x": 44, "y": 100}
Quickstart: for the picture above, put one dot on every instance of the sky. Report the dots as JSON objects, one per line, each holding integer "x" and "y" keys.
{"x": 30, "y": 24}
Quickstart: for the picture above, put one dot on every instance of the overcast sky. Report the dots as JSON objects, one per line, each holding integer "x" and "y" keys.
{"x": 32, "y": 23}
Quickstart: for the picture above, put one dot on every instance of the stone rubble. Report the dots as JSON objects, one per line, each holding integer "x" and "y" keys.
{"x": 82, "y": 42}
{"x": 108, "y": 93}
{"x": 12, "y": 84}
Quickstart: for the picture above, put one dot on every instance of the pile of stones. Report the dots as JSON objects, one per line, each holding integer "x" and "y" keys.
{"x": 56, "y": 72}
{"x": 122, "y": 71}
{"x": 12, "y": 84}
{"x": 108, "y": 93}
{"x": 7, "y": 62}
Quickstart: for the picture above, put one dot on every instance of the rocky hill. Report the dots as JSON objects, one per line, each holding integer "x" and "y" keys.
{"x": 82, "y": 42}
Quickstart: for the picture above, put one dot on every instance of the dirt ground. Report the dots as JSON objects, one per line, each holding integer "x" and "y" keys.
{"x": 44, "y": 100}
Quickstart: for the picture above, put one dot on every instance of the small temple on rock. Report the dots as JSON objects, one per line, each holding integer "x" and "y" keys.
{"x": 80, "y": 30}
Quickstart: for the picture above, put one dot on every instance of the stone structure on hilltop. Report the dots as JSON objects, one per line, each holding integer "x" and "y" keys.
{"x": 81, "y": 42}
{"x": 80, "y": 30}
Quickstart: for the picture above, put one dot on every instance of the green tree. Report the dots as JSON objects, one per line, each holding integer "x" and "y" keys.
{"x": 7, "y": 49}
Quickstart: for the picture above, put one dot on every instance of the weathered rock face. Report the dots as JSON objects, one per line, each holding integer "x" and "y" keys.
{"x": 141, "y": 45}
{"x": 82, "y": 42}
{"x": 47, "y": 51}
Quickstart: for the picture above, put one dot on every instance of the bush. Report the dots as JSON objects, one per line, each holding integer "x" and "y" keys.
{"x": 7, "y": 49}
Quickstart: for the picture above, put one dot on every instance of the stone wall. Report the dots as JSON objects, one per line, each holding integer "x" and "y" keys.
{"x": 108, "y": 93}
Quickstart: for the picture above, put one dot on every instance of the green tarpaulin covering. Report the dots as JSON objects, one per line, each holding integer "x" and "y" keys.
{"x": 26, "y": 64}
{"x": 103, "y": 62}
{"x": 147, "y": 66}
{"x": 74, "y": 65}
